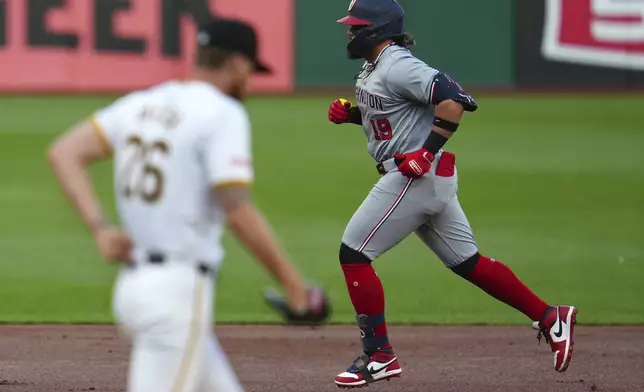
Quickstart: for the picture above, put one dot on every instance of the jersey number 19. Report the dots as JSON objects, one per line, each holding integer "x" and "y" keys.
{"x": 381, "y": 129}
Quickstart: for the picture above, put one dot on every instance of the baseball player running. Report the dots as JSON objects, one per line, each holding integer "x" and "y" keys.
{"x": 408, "y": 111}
{"x": 182, "y": 168}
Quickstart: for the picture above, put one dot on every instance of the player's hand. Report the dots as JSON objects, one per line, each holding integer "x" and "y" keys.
{"x": 339, "y": 111}
{"x": 414, "y": 164}
{"x": 113, "y": 244}
{"x": 316, "y": 310}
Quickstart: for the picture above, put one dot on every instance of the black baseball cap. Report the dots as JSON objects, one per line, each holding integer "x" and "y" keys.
{"x": 234, "y": 36}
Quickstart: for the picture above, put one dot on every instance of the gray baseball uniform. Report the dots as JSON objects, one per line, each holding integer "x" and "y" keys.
{"x": 393, "y": 95}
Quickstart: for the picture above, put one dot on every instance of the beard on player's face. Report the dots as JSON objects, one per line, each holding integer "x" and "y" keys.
{"x": 357, "y": 51}
{"x": 238, "y": 91}
{"x": 240, "y": 71}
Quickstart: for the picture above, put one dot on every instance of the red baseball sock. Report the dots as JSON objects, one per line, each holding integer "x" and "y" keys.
{"x": 496, "y": 279}
{"x": 367, "y": 294}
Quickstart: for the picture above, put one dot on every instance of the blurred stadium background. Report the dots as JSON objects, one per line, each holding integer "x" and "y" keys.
{"x": 551, "y": 166}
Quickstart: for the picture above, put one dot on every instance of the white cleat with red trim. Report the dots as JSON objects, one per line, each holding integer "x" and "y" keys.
{"x": 369, "y": 368}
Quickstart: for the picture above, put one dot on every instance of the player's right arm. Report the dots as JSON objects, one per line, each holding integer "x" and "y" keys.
{"x": 230, "y": 172}
{"x": 341, "y": 112}
{"x": 70, "y": 156}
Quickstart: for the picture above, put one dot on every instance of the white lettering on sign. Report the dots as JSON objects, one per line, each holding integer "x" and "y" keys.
{"x": 604, "y": 33}
{"x": 618, "y": 20}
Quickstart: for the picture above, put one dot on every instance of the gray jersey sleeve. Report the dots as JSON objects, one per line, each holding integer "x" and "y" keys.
{"x": 411, "y": 78}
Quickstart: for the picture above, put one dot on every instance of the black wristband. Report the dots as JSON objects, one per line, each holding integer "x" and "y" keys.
{"x": 434, "y": 142}
{"x": 355, "y": 116}
{"x": 445, "y": 124}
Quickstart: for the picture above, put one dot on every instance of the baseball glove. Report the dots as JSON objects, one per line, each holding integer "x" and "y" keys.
{"x": 319, "y": 308}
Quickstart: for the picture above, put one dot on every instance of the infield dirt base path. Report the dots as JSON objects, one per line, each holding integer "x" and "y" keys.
{"x": 276, "y": 358}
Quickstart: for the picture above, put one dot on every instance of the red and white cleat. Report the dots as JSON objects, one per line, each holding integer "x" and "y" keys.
{"x": 557, "y": 327}
{"x": 369, "y": 368}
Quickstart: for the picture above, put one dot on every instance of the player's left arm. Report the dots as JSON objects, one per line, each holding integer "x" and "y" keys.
{"x": 228, "y": 158}
{"x": 414, "y": 80}
{"x": 451, "y": 102}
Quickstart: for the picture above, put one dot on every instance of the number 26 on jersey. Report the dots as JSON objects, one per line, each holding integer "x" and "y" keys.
{"x": 139, "y": 176}
{"x": 381, "y": 129}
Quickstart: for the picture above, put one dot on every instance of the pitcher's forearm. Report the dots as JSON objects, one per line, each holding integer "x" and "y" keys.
{"x": 252, "y": 230}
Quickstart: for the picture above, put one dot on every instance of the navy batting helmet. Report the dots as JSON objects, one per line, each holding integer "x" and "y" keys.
{"x": 372, "y": 22}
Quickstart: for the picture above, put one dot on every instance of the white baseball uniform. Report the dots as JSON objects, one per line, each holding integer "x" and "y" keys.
{"x": 171, "y": 145}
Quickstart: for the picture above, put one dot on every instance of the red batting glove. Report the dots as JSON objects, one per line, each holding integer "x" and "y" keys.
{"x": 339, "y": 111}
{"x": 414, "y": 164}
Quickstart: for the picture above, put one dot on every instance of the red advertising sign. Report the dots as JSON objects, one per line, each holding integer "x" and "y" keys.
{"x": 606, "y": 33}
{"x": 98, "y": 45}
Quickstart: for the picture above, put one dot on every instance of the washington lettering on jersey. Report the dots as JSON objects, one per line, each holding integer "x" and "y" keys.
{"x": 393, "y": 99}
{"x": 366, "y": 98}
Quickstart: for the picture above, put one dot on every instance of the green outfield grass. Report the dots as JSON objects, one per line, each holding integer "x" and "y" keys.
{"x": 553, "y": 186}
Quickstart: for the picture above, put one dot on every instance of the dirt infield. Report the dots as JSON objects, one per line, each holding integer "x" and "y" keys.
{"x": 274, "y": 358}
